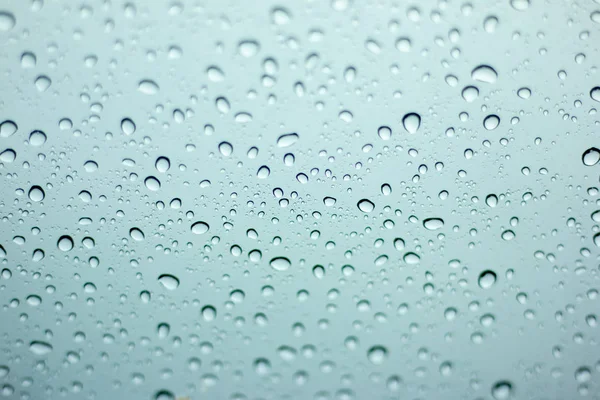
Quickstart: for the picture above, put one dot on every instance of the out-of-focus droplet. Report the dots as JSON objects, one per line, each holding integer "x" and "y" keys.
{"x": 7, "y": 21}
{"x": 147, "y": 86}
{"x": 286, "y": 140}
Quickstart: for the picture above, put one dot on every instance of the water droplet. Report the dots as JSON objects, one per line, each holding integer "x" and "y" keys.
{"x": 136, "y": 234}
{"x": 411, "y": 258}
{"x": 384, "y": 132}
{"x": 433, "y": 224}
{"x": 40, "y": 348}
{"x": 152, "y": 183}
{"x": 280, "y": 16}
{"x": 411, "y": 122}
{"x": 520, "y": 5}
{"x": 225, "y": 148}
{"x": 42, "y": 83}
{"x": 524, "y": 93}
{"x": 215, "y": 74}
{"x": 287, "y": 140}
{"x": 470, "y": 94}
{"x": 164, "y": 395}
{"x": 248, "y": 48}
{"x": 280, "y": 263}
{"x": 65, "y": 243}
{"x": 263, "y": 172}
{"x": 28, "y": 60}
{"x": 346, "y": 116}
{"x": 377, "y": 355}
{"x": 365, "y": 205}
{"x": 127, "y": 126}
{"x": 7, "y": 21}
{"x": 502, "y": 390}
{"x": 484, "y": 73}
{"x": 8, "y": 156}
{"x": 591, "y": 156}
{"x": 490, "y": 24}
{"x": 595, "y": 16}
{"x": 209, "y": 313}
{"x": 162, "y": 164}
{"x": 200, "y": 227}
{"x": 37, "y": 138}
{"x": 8, "y": 128}
{"x": 169, "y": 282}
{"x": 147, "y": 86}
{"x": 487, "y": 279}
{"x": 491, "y": 122}
{"x": 36, "y": 193}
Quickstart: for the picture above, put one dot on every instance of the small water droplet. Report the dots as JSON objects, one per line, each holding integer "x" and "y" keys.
{"x": 127, "y": 126}
{"x": 36, "y": 193}
{"x": 65, "y": 243}
{"x": 287, "y": 140}
{"x": 40, "y": 348}
{"x": 433, "y": 224}
{"x": 7, "y": 21}
{"x": 377, "y": 355}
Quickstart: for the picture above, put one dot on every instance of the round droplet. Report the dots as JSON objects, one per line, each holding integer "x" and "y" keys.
{"x": 280, "y": 263}
{"x": 40, "y": 348}
{"x": 169, "y": 282}
{"x": 470, "y": 94}
{"x": 136, "y": 234}
{"x": 346, "y": 116}
{"x": 525, "y": 93}
{"x": 200, "y": 227}
{"x": 384, "y": 132}
{"x": 487, "y": 279}
{"x": 148, "y": 87}
{"x": 65, "y": 243}
{"x": 248, "y": 48}
{"x": 595, "y": 93}
{"x": 484, "y": 73}
{"x": 502, "y": 390}
{"x": 263, "y": 172}
{"x": 591, "y": 156}
{"x": 162, "y": 164}
{"x": 508, "y": 235}
{"x": 365, "y": 205}
{"x": 595, "y": 16}
{"x": 491, "y": 122}
{"x": 490, "y": 24}
{"x": 37, "y": 138}
{"x": 520, "y": 5}
{"x": 377, "y": 355}
{"x": 8, "y": 156}
{"x": 287, "y": 140}
{"x": 152, "y": 183}
{"x": 7, "y": 21}
{"x": 36, "y": 193}
{"x": 280, "y": 16}
{"x": 411, "y": 122}
{"x": 42, "y": 83}
{"x": 225, "y": 148}
{"x": 411, "y": 258}
{"x": 215, "y": 74}
{"x": 28, "y": 60}
{"x": 433, "y": 224}
{"x": 127, "y": 126}
{"x": 8, "y": 128}
{"x": 209, "y": 313}
{"x": 491, "y": 200}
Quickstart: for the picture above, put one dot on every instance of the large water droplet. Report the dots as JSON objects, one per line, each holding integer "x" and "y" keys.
{"x": 491, "y": 122}
{"x": 484, "y": 73}
{"x": 591, "y": 156}
{"x": 433, "y": 224}
{"x": 487, "y": 279}
{"x": 127, "y": 126}
{"x": 42, "y": 83}
{"x": 287, "y": 139}
{"x": 365, "y": 205}
{"x": 377, "y": 355}
{"x": 520, "y": 5}
{"x": 169, "y": 282}
{"x": 200, "y": 227}
{"x": 162, "y": 164}
{"x": 136, "y": 234}
{"x": 148, "y": 87}
{"x": 411, "y": 122}
{"x": 8, "y": 128}
{"x": 65, "y": 243}
{"x": 152, "y": 183}
{"x": 40, "y": 348}
{"x": 280, "y": 263}
{"x": 36, "y": 193}
{"x": 502, "y": 390}
{"x": 7, "y": 21}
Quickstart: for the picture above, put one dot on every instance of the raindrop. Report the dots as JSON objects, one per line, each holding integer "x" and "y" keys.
{"x": 7, "y": 21}
{"x": 215, "y": 74}
{"x": 411, "y": 122}
{"x": 136, "y": 234}
{"x": 162, "y": 164}
{"x": 484, "y": 73}
{"x": 280, "y": 263}
{"x": 487, "y": 279}
{"x": 411, "y": 258}
{"x": 591, "y": 156}
{"x": 42, "y": 83}
{"x": 152, "y": 183}
{"x": 377, "y": 355}
{"x": 287, "y": 140}
{"x": 248, "y": 48}
{"x": 595, "y": 92}
{"x": 491, "y": 122}
{"x": 40, "y": 348}
{"x": 127, "y": 126}
{"x": 365, "y": 205}
{"x": 520, "y": 5}
{"x": 8, "y": 128}
{"x": 8, "y": 156}
{"x": 148, "y": 87}
{"x": 65, "y": 243}
{"x": 209, "y": 313}
{"x": 263, "y": 172}
{"x": 37, "y": 138}
{"x": 502, "y": 390}
{"x": 225, "y": 148}
{"x": 168, "y": 281}
{"x": 36, "y": 193}
{"x": 200, "y": 227}
{"x": 433, "y": 224}
{"x": 346, "y": 116}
